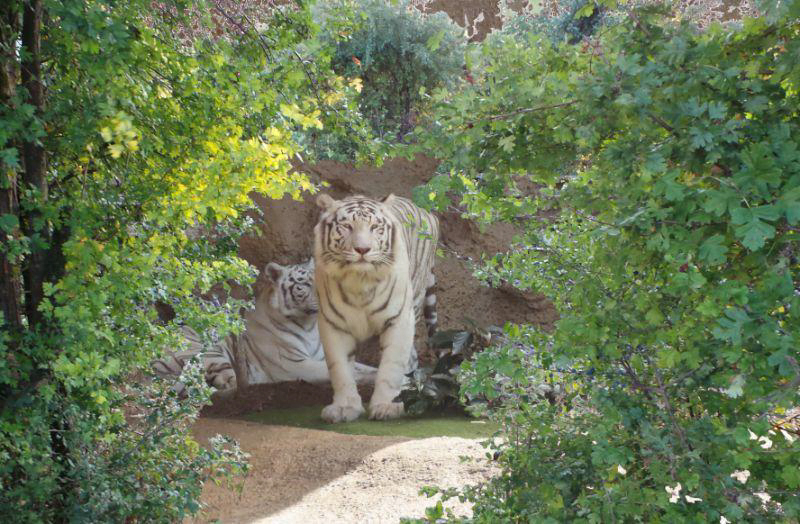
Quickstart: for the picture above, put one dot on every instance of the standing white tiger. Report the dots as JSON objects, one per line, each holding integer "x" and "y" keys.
{"x": 373, "y": 277}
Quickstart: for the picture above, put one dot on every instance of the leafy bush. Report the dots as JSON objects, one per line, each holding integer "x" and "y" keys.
{"x": 571, "y": 20}
{"x": 438, "y": 386}
{"x": 663, "y": 223}
{"x": 151, "y": 471}
{"x": 398, "y": 53}
{"x": 118, "y": 139}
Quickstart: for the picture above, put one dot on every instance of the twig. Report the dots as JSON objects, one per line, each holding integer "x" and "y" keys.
{"x": 661, "y": 122}
{"x": 529, "y": 110}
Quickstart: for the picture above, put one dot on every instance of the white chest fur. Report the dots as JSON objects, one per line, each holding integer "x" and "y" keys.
{"x": 364, "y": 299}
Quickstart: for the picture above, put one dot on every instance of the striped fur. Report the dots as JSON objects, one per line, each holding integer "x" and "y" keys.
{"x": 374, "y": 262}
{"x": 280, "y": 342}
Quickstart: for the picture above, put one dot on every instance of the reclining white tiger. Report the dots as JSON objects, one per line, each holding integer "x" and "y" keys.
{"x": 280, "y": 342}
{"x": 373, "y": 277}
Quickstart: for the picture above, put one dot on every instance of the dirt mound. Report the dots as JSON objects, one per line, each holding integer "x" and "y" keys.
{"x": 304, "y": 475}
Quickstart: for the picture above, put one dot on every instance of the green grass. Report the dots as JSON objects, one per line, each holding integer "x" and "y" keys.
{"x": 429, "y": 425}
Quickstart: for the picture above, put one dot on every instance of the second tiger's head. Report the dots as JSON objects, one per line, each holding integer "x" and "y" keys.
{"x": 292, "y": 289}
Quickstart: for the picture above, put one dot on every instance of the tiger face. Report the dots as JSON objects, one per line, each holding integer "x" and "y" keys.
{"x": 356, "y": 233}
{"x": 293, "y": 289}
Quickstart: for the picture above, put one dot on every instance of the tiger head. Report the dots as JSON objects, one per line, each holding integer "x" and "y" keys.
{"x": 355, "y": 232}
{"x": 292, "y": 289}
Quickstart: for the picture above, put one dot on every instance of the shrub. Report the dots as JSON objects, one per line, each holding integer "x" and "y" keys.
{"x": 663, "y": 224}
{"x": 559, "y": 21}
{"x": 116, "y": 139}
{"x": 399, "y": 53}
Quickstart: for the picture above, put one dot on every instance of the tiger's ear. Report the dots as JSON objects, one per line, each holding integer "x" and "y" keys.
{"x": 310, "y": 263}
{"x": 388, "y": 199}
{"x": 274, "y": 271}
{"x": 325, "y": 201}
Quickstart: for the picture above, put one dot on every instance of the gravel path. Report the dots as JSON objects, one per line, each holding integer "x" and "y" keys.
{"x": 307, "y": 476}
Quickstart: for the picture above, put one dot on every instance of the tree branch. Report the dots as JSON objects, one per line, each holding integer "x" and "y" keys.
{"x": 530, "y": 110}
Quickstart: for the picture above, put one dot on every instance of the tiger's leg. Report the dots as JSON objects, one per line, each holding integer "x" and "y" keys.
{"x": 397, "y": 342}
{"x": 338, "y": 346}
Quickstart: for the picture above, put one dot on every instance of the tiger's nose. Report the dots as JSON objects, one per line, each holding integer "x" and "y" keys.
{"x": 362, "y": 250}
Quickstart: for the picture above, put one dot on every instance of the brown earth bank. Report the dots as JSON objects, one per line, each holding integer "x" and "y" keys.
{"x": 286, "y": 236}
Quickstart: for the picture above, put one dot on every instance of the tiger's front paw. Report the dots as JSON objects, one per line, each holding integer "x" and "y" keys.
{"x": 386, "y": 411}
{"x": 341, "y": 413}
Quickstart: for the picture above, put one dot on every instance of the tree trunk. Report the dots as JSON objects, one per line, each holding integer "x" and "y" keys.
{"x": 35, "y": 160}
{"x": 10, "y": 278}
{"x": 239, "y": 364}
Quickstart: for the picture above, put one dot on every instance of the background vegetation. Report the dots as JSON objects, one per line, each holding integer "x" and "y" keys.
{"x": 396, "y": 53}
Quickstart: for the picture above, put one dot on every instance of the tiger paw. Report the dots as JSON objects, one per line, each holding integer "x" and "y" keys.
{"x": 386, "y": 411}
{"x": 334, "y": 413}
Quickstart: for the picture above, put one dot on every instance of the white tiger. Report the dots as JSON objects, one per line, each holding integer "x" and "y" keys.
{"x": 373, "y": 277}
{"x": 280, "y": 342}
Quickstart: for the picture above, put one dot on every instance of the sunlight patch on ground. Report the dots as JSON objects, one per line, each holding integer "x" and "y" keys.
{"x": 385, "y": 485}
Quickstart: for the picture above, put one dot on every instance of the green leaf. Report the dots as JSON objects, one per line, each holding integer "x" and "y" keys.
{"x": 435, "y": 41}
{"x": 585, "y": 11}
{"x": 655, "y": 164}
{"x": 717, "y": 110}
{"x": 730, "y": 328}
{"x": 736, "y": 389}
{"x": 789, "y": 204}
{"x": 507, "y": 143}
{"x": 713, "y": 250}
{"x": 756, "y": 104}
{"x": 10, "y": 157}
{"x": 755, "y": 233}
{"x": 700, "y": 138}
{"x": 8, "y": 223}
{"x": 719, "y": 202}
{"x": 766, "y": 212}
{"x": 654, "y": 316}
{"x": 791, "y": 475}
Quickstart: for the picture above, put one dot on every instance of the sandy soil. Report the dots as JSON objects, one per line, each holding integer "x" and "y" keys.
{"x": 308, "y": 476}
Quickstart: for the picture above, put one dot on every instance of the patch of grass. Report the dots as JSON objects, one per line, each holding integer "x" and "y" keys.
{"x": 428, "y": 425}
